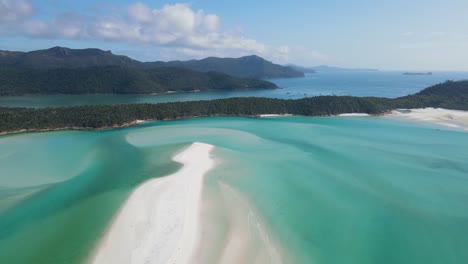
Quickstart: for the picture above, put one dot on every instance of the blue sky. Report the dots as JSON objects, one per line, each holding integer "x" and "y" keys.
{"x": 389, "y": 35}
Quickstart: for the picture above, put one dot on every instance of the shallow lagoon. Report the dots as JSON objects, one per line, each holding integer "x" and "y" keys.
{"x": 328, "y": 190}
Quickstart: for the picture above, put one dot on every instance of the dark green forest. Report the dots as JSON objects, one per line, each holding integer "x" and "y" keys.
{"x": 450, "y": 95}
{"x": 61, "y": 57}
{"x": 245, "y": 67}
{"x": 117, "y": 79}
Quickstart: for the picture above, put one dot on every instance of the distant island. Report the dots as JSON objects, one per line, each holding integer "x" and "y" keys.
{"x": 301, "y": 68}
{"x": 326, "y": 68}
{"x": 60, "y": 57}
{"x": 245, "y": 67}
{"x": 417, "y": 73}
{"x": 450, "y": 95}
{"x": 118, "y": 80}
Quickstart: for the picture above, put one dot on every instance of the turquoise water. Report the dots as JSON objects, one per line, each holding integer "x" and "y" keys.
{"x": 383, "y": 84}
{"x": 330, "y": 190}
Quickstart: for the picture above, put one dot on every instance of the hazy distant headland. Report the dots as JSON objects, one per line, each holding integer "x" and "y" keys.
{"x": 326, "y": 68}
{"x": 417, "y": 73}
{"x": 245, "y": 67}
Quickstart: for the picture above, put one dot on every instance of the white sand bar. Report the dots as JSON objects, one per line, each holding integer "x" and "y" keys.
{"x": 353, "y": 114}
{"x": 159, "y": 222}
{"x": 274, "y": 115}
{"x": 450, "y": 118}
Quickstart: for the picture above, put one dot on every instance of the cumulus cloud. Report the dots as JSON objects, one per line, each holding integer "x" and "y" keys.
{"x": 173, "y": 25}
{"x": 68, "y": 26}
{"x": 13, "y": 11}
{"x": 177, "y": 29}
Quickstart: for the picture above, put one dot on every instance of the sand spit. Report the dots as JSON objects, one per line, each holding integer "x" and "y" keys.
{"x": 274, "y": 115}
{"x": 354, "y": 114}
{"x": 159, "y": 222}
{"x": 449, "y": 118}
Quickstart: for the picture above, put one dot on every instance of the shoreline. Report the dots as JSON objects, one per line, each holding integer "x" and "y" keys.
{"x": 353, "y": 115}
{"x": 144, "y": 94}
{"x": 455, "y": 119}
{"x": 431, "y": 115}
{"x": 159, "y": 222}
{"x": 38, "y": 130}
{"x": 274, "y": 115}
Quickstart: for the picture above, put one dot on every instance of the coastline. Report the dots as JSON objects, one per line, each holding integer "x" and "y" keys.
{"x": 159, "y": 222}
{"x": 353, "y": 114}
{"x": 441, "y": 116}
{"x": 274, "y": 115}
{"x": 37, "y": 130}
{"x": 456, "y": 119}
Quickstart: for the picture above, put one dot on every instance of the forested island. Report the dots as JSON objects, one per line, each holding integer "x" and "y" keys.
{"x": 78, "y": 71}
{"x": 244, "y": 67}
{"x": 118, "y": 80}
{"x": 450, "y": 95}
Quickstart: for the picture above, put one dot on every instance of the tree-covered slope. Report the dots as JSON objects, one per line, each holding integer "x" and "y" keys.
{"x": 450, "y": 94}
{"x": 61, "y": 57}
{"x": 117, "y": 79}
{"x": 247, "y": 67}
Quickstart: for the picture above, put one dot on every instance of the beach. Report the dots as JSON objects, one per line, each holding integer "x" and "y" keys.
{"x": 159, "y": 221}
{"x": 353, "y": 114}
{"x": 274, "y": 115}
{"x": 445, "y": 117}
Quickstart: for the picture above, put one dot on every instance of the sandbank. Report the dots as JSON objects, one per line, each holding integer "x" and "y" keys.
{"x": 274, "y": 115}
{"x": 159, "y": 222}
{"x": 354, "y": 114}
{"x": 445, "y": 117}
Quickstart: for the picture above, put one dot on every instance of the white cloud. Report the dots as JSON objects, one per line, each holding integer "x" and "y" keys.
{"x": 177, "y": 29}
{"x": 140, "y": 12}
{"x": 12, "y": 11}
{"x": 36, "y": 28}
{"x": 173, "y": 25}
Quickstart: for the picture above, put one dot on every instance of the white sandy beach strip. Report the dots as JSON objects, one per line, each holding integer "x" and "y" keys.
{"x": 274, "y": 115}
{"x": 159, "y": 222}
{"x": 450, "y": 118}
{"x": 353, "y": 114}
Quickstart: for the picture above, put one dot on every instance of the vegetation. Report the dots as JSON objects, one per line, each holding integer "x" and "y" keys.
{"x": 452, "y": 95}
{"x": 117, "y": 79}
{"x": 246, "y": 67}
{"x": 60, "y": 57}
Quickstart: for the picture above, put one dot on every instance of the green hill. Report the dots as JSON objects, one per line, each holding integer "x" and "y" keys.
{"x": 117, "y": 79}
{"x": 247, "y": 67}
{"x": 61, "y": 57}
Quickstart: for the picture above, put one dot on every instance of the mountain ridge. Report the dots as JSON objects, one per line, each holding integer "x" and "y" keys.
{"x": 62, "y": 57}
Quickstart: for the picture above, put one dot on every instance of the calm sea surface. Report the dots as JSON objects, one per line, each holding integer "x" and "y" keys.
{"x": 330, "y": 190}
{"x": 382, "y": 84}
